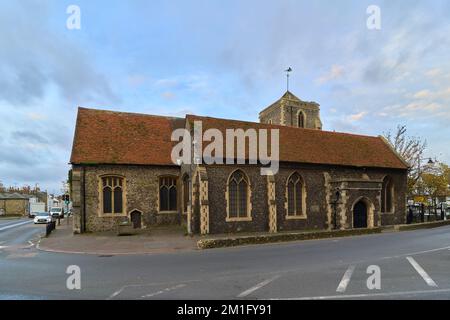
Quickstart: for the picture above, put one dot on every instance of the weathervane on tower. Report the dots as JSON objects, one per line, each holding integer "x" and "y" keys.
{"x": 288, "y": 72}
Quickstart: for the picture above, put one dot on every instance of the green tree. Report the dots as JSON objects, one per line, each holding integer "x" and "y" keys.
{"x": 435, "y": 184}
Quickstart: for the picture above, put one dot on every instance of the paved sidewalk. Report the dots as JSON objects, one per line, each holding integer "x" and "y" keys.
{"x": 160, "y": 240}
{"x": 172, "y": 239}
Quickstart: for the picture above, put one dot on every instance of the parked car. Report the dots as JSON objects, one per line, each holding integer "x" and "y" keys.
{"x": 57, "y": 212}
{"x": 42, "y": 217}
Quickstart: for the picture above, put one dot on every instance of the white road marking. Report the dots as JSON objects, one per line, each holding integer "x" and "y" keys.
{"x": 422, "y": 272}
{"x": 164, "y": 291}
{"x": 116, "y": 293}
{"x": 14, "y": 225}
{"x": 416, "y": 253}
{"x": 345, "y": 280}
{"x": 257, "y": 287}
{"x": 368, "y": 295}
{"x": 3, "y": 247}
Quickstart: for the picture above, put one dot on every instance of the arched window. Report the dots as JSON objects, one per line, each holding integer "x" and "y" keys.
{"x": 301, "y": 119}
{"x": 387, "y": 195}
{"x": 185, "y": 193}
{"x": 112, "y": 194}
{"x": 167, "y": 194}
{"x": 238, "y": 188}
{"x": 295, "y": 196}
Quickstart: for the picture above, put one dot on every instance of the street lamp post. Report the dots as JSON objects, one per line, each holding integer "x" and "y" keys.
{"x": 419, "y": 169}
{"x": 419, "y": 176}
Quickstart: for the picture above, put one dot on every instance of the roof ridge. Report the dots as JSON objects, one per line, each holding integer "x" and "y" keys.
{"x": 130, "y": 113}
{"x": 287, "y": 93}
{"x": 287, "y": 127}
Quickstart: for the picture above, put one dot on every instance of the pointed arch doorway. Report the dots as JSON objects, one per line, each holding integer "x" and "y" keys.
{"x": 136, "y": 219}
{"x": 360, "y": 215}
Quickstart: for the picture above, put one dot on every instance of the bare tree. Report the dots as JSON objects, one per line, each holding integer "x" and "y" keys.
{"x": 411, "y": 149}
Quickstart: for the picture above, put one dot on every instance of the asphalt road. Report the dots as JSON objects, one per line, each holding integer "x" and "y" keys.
{"x": 413, "y": 265}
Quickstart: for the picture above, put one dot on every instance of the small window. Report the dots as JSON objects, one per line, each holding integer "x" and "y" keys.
{"x": 295, "y": 190}
{"x": 112, "y": 194}
{"x": 301, "y": 120}
{"x": 167, "y": 194}
{"x": 238, "y": 188}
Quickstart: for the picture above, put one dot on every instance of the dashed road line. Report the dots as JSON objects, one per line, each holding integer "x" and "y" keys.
{"x": 345, "y": 279}
{"x": 121, "y": 289}
{"x": 163, "y": 291}
{"x": 257, "y": 287}
{"x": 422, "y": 272}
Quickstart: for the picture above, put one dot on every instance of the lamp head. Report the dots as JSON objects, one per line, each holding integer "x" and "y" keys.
{"x": 338, "y": 194}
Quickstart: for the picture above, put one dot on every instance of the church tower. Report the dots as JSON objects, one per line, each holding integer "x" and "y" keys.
{"x": 293, "y": 112}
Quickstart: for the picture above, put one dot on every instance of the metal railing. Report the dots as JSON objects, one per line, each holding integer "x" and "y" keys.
{"x": 427, "y": 213}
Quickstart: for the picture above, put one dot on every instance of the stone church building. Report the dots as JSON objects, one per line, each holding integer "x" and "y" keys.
{"x": 122, "y": 171}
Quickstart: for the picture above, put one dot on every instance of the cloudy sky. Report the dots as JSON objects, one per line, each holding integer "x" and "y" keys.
{"x": 216, "y": 58}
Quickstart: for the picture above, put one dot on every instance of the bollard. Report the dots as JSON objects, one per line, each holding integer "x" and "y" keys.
{"x": 410, "y": 217}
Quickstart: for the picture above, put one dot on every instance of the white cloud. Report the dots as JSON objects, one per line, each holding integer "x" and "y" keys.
{"x": 35, "y": 116}
{"x": 415, "y": 110}
{"x": 169, "y": 95}
{"x": 433, "y": 73}
{"x": 358, "y": 116}
{"x": 34, "y": 56}
{"x": 335, "y": 72}
{"x": 423, "y": 94}
{"x": 443, "y": 94}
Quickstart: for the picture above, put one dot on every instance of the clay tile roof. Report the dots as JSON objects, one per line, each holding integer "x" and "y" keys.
{"x": 319, "y": 147}
{"x": 107, "y": 137}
